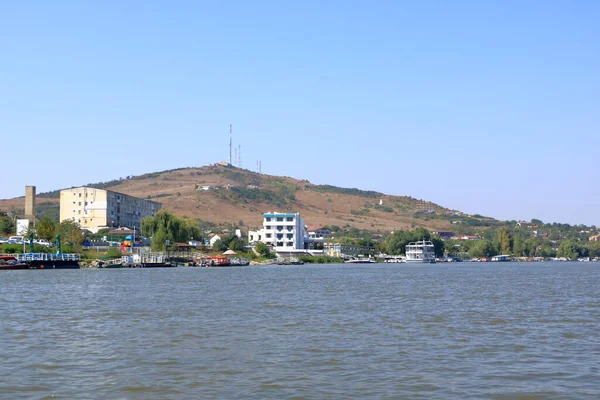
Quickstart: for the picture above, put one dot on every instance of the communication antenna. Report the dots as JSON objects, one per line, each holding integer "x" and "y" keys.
{"x": 239, "y": 156}
{"x": 230, "y": 141}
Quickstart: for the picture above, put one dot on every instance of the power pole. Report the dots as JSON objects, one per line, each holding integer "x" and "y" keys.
{"x": 230, "y": 141}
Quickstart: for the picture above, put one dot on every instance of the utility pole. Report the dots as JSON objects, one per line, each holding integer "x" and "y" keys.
{"x": 230, "y": 141}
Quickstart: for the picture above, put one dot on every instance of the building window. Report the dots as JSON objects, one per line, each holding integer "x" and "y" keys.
{"x": 268, "y": 236}
{"x": 280, "y": 228}
{"x": 79, "y": 203}
{"x": 279, "y": 219}
{"x": 279, "y": 244}
{"x": 268, "y": 219}
{"x": 289, "y": 219}
{"x": 79, "y": 212}
{"x": 268, "y": 227}
{"x": 79, "y": 194}
{"x": 290, "y": 244}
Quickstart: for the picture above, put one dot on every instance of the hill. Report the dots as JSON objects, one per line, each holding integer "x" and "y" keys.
{"x": 224, "y": 194}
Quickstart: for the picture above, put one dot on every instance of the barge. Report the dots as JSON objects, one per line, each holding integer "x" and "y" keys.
{"x": 49, "y": 260}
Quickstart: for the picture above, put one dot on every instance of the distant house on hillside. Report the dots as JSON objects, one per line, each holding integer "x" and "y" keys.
{"x": 213, "y": 240}
{"x": 594, "y": 238}
{"x": 319, "y": 231}
{"x": 467, "y": 237}
{"x": 445, "y": 235}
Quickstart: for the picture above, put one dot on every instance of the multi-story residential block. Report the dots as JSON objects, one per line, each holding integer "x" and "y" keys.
{"x": 282, "y": 231}
{"x": 95, "y": 209}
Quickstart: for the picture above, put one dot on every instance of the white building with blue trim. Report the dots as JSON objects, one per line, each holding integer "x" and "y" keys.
{"x": 282, "y": 231}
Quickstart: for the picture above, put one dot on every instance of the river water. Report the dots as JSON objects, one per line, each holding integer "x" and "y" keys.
{"x": 499, "y": 331}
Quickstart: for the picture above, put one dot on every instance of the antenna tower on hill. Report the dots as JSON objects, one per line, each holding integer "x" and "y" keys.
{"x": 230, "y": 141}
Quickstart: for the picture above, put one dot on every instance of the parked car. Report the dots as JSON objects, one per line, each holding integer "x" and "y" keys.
{"x": 16, "y": 239}
{"x": 3, "y": 240}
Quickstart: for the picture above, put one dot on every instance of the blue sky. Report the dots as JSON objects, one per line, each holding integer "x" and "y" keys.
{"x": 489, "y": 107}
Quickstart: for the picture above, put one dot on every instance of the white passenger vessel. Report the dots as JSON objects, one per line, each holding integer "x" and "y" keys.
{"x": 420, "y": 252}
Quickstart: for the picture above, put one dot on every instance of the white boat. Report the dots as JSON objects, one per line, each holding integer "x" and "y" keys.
{"x": 501, "y": 258}
{"x": 420, "y": 252}
{"x": 360, "y": 260}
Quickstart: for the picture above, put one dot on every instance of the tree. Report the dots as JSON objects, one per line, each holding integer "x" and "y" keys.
{"x": 504, "y": 241}
{"x": 169, "y": 227}
{"x": 220, "y": 245}
{"x": 571, "y": 249}
{"x": 70, "y": 233}
{"x": 236, "y": 244}
{"x": 518, "y": 246}
{"x": 483, "y": 248}
{"x": 262, "y": 249}
{"x": 7, "y": 225}
{"x": 46, "y": 229}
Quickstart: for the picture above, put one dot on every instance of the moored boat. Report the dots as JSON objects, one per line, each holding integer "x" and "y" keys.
{"x": 11, "y": 263}
{"x": 420, "y": 252}
{"x": 360, "y": 260}
{"x": 218, "y": 261}
{"x": 49, "y": 260}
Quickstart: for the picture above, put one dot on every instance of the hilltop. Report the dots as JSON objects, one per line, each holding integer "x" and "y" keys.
{"x": 225, "y": 194}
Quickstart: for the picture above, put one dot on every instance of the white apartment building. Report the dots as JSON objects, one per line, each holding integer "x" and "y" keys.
{"x": 95, "y": 209}
{"x": 282, "y": 231}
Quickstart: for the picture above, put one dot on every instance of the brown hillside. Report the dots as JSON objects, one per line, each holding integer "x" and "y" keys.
{"x": 242, "y": 195}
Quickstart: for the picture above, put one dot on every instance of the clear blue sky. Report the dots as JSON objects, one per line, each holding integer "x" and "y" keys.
{"x": 489, "y": 107}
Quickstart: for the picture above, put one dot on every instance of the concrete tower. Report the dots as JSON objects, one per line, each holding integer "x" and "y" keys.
{"x": 30, "y": 201}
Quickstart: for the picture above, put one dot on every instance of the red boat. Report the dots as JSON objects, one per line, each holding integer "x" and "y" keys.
{"x": 217, "y": 261}
{"x": 10, "y": 262}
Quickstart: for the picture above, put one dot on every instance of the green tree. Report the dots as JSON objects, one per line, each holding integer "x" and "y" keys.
{"x": 46, "y": 229}
{"x": 7, "y": 225}
{"x": 70, "y": 233}
{"x": 262, "y": 249}
{"x": 594, "y": 249}
{"x": 236, "y": 244}
{"x": 518, "y": 246}
{"x": 505, "y": 241}
{"x": 483, "y": 248}
{"x": 220, "y": 245}
{"x": 159, "y": 239}
{"x": 571, "y": 249}
{"x": 169, "y": 227}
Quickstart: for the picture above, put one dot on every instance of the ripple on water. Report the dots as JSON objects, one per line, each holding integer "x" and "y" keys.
{"x": 439, "y": 331}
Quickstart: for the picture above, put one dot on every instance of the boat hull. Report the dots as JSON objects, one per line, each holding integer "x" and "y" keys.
{"x": 13, "y": 267}
{"x": 53, "y": 265}
{"x": 420, "y": 261}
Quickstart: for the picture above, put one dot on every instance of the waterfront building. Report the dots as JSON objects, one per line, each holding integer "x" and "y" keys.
{"x": 319, "y": 232}
{"x": 95, "y": 209}
{"x": 346, "y": 250}
{"x": 282, "y": 231}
